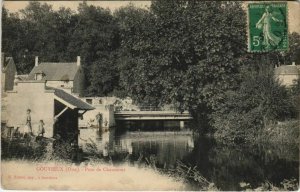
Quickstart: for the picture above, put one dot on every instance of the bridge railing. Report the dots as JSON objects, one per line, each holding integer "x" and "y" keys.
{"x": 150, "y": 108}
{"x": 146, "y": 108}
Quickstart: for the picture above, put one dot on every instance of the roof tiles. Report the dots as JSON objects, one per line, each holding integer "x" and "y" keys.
{"x": 72, "y": 100}
{"x": 55, "y": 71}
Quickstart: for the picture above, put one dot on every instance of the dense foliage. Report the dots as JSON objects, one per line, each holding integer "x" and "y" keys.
{"x": 181, "y": 52}
{"x": 62, "y": 35}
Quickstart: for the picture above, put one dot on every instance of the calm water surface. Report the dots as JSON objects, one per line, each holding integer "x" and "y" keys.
{"x": 225, "y": 165}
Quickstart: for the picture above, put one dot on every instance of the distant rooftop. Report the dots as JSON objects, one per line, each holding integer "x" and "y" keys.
{"x": 22, "y": 77}
{"x": 287, "y": 70}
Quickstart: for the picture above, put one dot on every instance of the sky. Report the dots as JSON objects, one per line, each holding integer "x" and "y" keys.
{"x": 15, "y": 6}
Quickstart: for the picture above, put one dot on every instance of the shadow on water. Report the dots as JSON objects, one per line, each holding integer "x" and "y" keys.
{"x": 229, "y": 165}
{"x": 224, "y": 165}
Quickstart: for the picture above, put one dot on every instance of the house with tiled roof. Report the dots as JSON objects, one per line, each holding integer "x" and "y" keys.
{"x": 64, "y": 75}
{"x": 8, "y": 71}
{"x": 50, "y": 94}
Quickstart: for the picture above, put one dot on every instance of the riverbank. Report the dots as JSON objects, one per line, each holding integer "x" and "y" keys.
{"x": 67, "y": 176}
{"x": 27, "y": 153}
{"x": 279, "y": 132}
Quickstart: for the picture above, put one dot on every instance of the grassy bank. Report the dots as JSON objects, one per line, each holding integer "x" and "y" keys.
{"x": 281, "y": 132}
{"x": 285, "y": 185}
{"x": 34, "y": 175}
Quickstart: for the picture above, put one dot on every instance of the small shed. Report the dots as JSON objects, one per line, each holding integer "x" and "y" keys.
{"x": 59, "y": 110}
{"x": 287, "y": 74}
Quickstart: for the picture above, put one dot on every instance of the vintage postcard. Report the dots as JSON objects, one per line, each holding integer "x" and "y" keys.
{"x": 150, "y": 95}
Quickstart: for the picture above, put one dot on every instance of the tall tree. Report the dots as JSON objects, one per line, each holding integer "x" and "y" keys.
{"x": 14, "y": 40}
{"x": 138, "y": 69}
{"x": 36, "y": 31}
{"x": 182, "y": 52}
{"x": 94, "y": 37}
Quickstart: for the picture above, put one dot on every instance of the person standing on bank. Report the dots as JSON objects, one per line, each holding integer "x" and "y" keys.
{"x": 99, "y": 121}
{"x": 28, "y": 121}
{"x": 41, "y": 129}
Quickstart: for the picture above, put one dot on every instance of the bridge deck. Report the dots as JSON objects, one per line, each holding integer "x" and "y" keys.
{"x": 152, "y": 115}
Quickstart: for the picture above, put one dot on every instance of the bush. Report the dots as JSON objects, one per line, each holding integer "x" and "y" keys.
{"x": 32, "y": 149}
{"x": 285, "y": 185}
{"x": 259, "y": 101}
{"x": 22, "y": 149}
{"x": 284, "y": 132}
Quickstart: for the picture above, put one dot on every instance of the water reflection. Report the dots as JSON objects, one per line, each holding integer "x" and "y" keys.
{"x": 167, "y": 147}
{"x": 225, "y": 165}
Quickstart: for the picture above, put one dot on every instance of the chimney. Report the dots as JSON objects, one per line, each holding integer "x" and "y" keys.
{"x": 16, "y": 80}
{"x": 293, "y": 63}
{"x": 78, "y": 60}
{"x": 36, "y": 61}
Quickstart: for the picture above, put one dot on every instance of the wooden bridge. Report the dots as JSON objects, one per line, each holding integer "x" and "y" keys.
{"x": 152, "y": 115}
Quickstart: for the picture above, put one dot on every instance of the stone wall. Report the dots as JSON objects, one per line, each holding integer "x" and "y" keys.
{"x": 65, "y": 85}
{"x": 89, "y": 118}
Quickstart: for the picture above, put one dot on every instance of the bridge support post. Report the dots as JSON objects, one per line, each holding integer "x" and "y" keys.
{"x": 181, "y": 124}
{"x": 142, "y": 124}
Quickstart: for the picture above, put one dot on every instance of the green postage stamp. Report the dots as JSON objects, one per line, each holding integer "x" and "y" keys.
{"x": 267, "y": 27}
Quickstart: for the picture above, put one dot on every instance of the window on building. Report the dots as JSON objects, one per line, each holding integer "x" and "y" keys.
{"x": 39, "y": 76}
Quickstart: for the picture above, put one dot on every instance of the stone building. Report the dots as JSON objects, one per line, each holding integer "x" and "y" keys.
{"x": 287, "y": 74}
{"x": 59, "y": 110}
{"x": 67, "y": 76}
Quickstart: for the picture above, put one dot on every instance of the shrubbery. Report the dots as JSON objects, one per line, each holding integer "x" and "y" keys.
{"x": 285, "y": 132}
{"x": 32, "y": 149}
{"x": 22, "y": 149}
{"x": 258, "y": 102}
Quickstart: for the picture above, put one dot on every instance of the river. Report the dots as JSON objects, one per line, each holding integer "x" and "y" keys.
{"x": 227, "y": 166}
